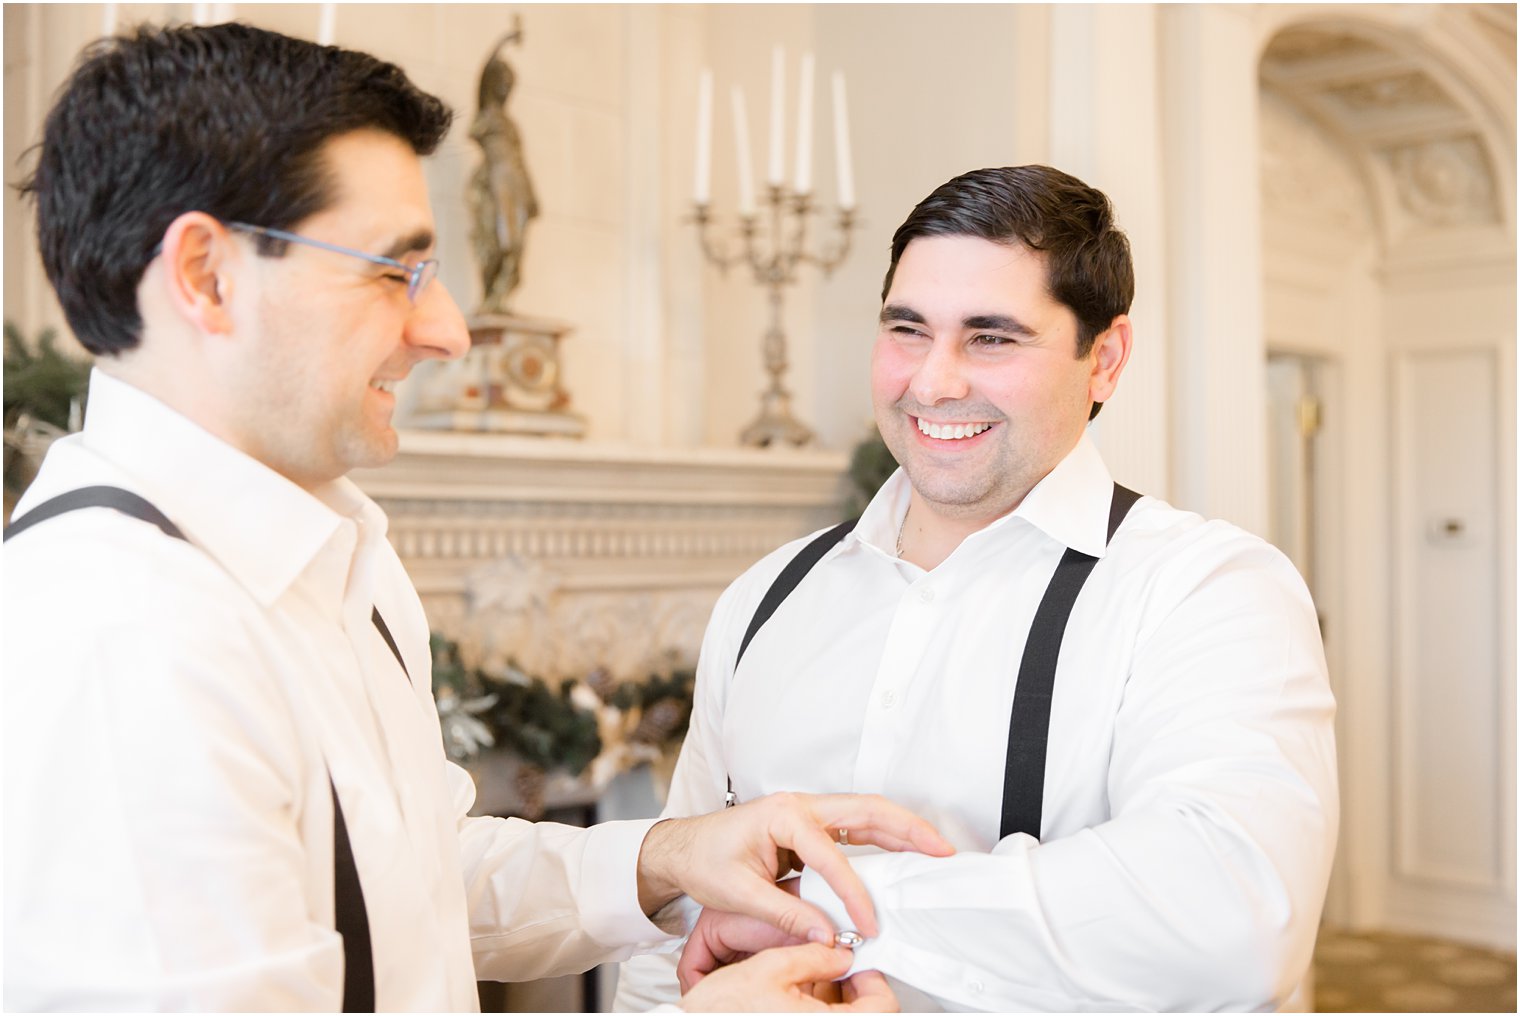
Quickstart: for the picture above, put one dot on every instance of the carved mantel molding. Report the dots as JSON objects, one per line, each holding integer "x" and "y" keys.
{"x": 567, "y": 556}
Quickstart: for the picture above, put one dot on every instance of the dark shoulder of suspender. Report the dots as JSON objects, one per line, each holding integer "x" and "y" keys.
{"x": 795, "y": 571}
{"x": 351, "y": 918}
{"x": 121, "y": 500}
{"x": 1029, "y": 721}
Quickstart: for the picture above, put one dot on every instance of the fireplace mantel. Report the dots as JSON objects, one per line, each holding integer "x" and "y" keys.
{"x": 569, "y": 555}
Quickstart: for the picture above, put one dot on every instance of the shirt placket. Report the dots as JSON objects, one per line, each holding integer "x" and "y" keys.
{"x": 888, "y": 722}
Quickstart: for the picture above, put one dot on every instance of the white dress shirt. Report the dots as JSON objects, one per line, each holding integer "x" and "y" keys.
{"x": 173, "y": 711}
{"x": 1190, "y": 805}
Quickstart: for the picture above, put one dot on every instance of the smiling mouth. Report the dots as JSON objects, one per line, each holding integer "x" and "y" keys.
{"x": 950, "y": 431}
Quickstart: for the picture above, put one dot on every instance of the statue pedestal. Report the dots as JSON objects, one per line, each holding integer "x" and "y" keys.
{"x": 508, "y": 383}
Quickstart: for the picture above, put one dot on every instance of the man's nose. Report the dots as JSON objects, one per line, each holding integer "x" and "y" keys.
{"x": 940, "y": 374}
{"x": 436, "y": 328}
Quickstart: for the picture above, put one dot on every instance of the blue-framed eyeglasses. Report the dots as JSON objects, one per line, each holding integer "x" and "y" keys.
{"x": 418, "y": 275}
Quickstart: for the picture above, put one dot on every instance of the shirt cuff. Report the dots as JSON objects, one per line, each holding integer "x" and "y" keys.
{"x": 609, "y": 887}
{"x": 817, "y": 892}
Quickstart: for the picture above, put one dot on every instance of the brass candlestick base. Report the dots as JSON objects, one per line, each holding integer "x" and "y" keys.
{"x": 776, "y": 425}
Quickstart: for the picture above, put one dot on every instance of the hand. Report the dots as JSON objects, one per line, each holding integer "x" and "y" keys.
{"x": 781, "y": 980}
{"x": 730, "y": 859}
{"x": 721, "y": 938}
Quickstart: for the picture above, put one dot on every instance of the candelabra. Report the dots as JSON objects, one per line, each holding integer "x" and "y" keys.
{"x": 789, "y": 213}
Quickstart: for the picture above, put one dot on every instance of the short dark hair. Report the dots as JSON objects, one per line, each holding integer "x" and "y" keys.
{"x": 1087, "y": 256}
{"x": 225, "y": 119}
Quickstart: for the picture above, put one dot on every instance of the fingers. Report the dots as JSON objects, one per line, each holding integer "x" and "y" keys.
{"x": 869, "y": 818}
{"x": 868, "y": 991}
{"x": 797, "y": 918}
{"x": 821, "y": 854}
{"x": 720, "y": 938}
{"x": 873, "y": 819}
{"x": 697, "y": 961}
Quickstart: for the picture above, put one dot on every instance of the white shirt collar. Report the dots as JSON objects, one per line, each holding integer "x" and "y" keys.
{"x": 1070, "y": 505}
{"x": 263, "y": 528}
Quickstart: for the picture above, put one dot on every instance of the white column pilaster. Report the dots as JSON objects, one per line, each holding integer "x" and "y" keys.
{"x": 1214, "y": 266}
{"x": 644, "y": 356}
{"x": 1106, "y": 127}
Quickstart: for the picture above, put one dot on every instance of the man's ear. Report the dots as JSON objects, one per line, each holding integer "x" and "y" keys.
{"x": 200, "y": 264}
{"x": 1109, "y": 354}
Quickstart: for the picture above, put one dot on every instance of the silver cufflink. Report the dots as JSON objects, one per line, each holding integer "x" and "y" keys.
{"x": 849, "y": 939}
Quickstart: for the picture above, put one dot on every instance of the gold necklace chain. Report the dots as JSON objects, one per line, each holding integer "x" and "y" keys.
{"x": 903, "y": 525}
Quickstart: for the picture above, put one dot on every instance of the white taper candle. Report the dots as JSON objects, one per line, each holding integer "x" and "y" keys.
{"x": 805, "y": 127}
{"x": 741, "y": 152}
{"x": 702, "y": 189}
{"x": 327, "y": 23}
{"x": 842, "y": 146}
{"x": 776, "y": 174}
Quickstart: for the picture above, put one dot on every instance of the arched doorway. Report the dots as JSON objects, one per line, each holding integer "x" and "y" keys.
{"x": 1388, "y": 184}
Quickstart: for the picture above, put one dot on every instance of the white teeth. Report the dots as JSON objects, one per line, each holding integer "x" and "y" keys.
{"x": 951, "y": 431}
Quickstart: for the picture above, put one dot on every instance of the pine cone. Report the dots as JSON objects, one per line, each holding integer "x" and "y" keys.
{"x": 658, "y": 722}
{"x": 601, "y": 682}
{"x": 530, "y": 792}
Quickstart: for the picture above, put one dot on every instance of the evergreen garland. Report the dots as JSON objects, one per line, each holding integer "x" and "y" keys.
{"x": 41, "y": 384}
{"x": 546, "y": 727}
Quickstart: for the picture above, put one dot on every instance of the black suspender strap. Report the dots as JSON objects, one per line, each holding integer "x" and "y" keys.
{"x": 123, "y": 501}
{"x": 1029, "y": 723}
{"x": 1029, "y": 720}
{"x": 351, "y": 916}
{"x": 385, "y": 633}
{"x": 793, "y": 573}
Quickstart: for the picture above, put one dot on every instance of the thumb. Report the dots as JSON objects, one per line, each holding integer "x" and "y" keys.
{"x": 801, "y": 964}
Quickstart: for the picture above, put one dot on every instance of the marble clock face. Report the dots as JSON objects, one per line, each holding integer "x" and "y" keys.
{"x": 530, "y": 370}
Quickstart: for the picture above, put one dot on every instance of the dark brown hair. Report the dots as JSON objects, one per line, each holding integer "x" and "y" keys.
{"x": 225, "y": 119}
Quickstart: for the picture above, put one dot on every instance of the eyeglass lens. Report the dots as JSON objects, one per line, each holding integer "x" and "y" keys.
{"x": 423, "y": 274}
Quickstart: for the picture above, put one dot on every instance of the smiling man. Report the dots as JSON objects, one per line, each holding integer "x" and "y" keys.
{"x": 1116, "y": 710}
{"x": 225, "y": 785}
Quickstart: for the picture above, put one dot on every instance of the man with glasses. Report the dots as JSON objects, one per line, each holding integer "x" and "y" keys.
{"x": 225, "y": 783}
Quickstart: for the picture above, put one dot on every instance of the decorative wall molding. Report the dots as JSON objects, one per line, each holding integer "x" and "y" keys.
{"x": 1304, "y": 176}
{"x": 567, "y": 556}
{"x": 1445, "y": 183}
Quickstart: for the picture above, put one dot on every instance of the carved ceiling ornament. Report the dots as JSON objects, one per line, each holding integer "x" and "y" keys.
{"x": 1303, "y": 175}
{"x": 1398, "y": 93}
{"x": 1297, "y": 46}
{"x": 1445, "y": 183}
{"x": 1380, "y": 92}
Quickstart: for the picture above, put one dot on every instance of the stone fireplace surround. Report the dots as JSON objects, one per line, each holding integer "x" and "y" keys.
{"x": 567, "y": 556}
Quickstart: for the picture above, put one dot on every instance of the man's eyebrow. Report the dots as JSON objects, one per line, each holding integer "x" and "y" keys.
{"x": 420, "y": 240}
{"x": 998, "y": 323}
{"x": 991, "y": 322}
{"x": 901, "y": 312}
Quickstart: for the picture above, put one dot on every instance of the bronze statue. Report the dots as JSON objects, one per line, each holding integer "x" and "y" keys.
{"x": 501, "y": 194}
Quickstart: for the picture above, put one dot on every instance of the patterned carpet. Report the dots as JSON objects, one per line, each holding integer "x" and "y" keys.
{"x": 1381, "y": 972}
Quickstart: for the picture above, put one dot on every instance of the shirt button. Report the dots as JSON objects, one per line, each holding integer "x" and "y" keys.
{"x": 889, "y": 698}
{"x": 926, "y": 594}
{"x": 975, "y": 986}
